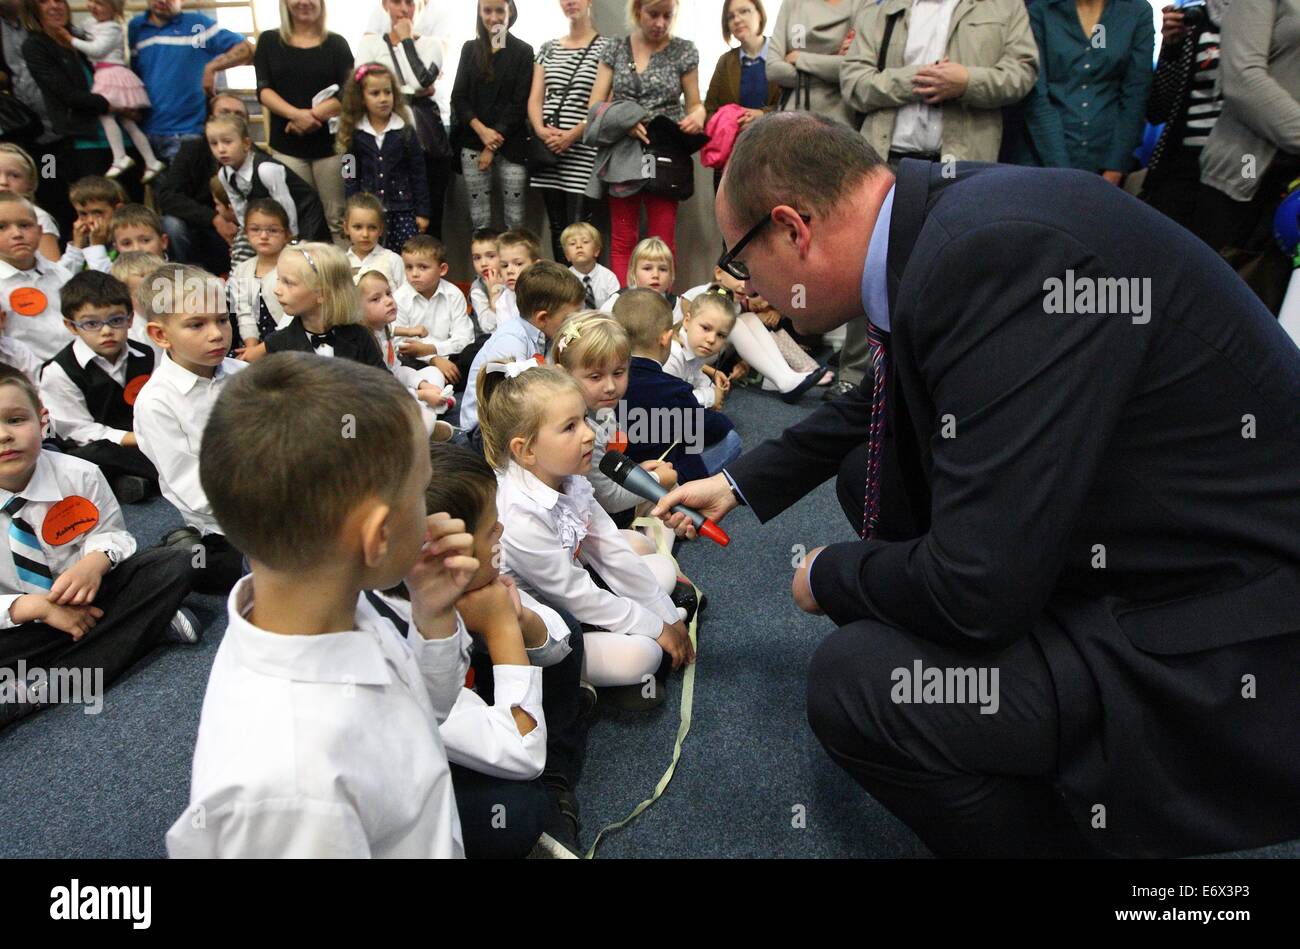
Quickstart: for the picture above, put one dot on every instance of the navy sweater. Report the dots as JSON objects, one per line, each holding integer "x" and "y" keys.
{"x": 650, "y": 388}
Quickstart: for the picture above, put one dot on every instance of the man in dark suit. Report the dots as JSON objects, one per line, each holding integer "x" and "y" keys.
{"x": 1071, "y": 625}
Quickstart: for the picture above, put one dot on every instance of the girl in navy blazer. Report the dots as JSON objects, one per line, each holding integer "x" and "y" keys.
{"x": 375, "y": 131}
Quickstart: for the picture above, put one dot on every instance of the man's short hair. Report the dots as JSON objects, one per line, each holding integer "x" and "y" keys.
{"x": 178, "y": 289}
{"x": 294, "y": 443}
{"x": 462, "y": 484}
{"x": 801, "y": 159}
{"x": 426, "y": 245}
{"x": 547, "y": 286}
{"x": 96, "y": 188}
{"x": 92, "y": 288}
{"x": 645, "y": 315}
{"x": 11, "y": 376}
{"x": 522, "y": 237}
{"x": 136, "y": 215}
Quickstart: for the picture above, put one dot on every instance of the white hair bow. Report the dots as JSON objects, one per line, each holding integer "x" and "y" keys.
{"x": 513, "y": 369}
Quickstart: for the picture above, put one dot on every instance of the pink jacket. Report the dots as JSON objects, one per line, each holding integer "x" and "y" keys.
{"x": 722, "y": 131}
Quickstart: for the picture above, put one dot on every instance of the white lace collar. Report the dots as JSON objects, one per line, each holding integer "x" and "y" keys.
{"x": 570, "y": 509}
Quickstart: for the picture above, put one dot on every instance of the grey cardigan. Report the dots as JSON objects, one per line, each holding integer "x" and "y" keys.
{"x": 618, "y": 156}
{"x": 1259, "y": 66}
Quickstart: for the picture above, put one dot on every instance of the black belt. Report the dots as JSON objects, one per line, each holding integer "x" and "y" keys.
{"x": 896, "y": 157}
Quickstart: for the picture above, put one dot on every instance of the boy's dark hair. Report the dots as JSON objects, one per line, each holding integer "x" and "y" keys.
{"x": 547, "y": 286}
{"x": 92, "y": 288}
{"x": 365, "y": 201}
{"x": 522, "y": 236}
{"x": 645, "y": 315}
{"x": 96, "y": 188}
{"x": 9, "y": 376}
{"x": 462, "y": 484}
{"x": 132, "y": 215}
{"x": 294, "y": 443}
{"x": 485, "y": 234}
{"x": 426, "y": 245}
{"x": 268, "y": 207}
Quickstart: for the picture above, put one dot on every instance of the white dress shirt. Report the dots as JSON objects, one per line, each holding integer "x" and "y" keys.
{"x": 67, "y": 403}
{"x": 444, "y": 317}
{"x": 247, "y": 290}
{"x": 238, "y": 183}
{"x": 549, "y": 535}
{"x": 514, "y": 339}
{"x": 688, "y": 367}
{"x": 16, "y": 353}
{"x": 412, "y": 378}
{"x": 43, "y": 333}
{"x": 46, "y": 221}
{"x": 483, "y": 314}
{"x": 94, "y": 257}
{"x": 55, "y": 477}
{"x": 603, "y": 282}
{"x": 919, "y": 127}
{"x": 324, "y": 746}
{"x": 170, "y": 413}
{"x": 385, "y": 261}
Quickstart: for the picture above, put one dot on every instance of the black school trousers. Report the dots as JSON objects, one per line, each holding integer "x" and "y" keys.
{"x": 139, "y": 597}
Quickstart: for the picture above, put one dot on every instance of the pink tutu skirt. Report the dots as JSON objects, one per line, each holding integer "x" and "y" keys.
{"x": 121, "y": 87}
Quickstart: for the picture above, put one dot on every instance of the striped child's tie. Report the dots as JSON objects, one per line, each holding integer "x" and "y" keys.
{"x": 880, "y": 373}
{"x": 589, "y": 294}
{"x": 29, "y": 559}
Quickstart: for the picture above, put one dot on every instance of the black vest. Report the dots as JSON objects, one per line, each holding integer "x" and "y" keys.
{"x": 105, "y": 399}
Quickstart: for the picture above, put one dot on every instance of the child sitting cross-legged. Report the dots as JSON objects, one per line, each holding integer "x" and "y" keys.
{"x": 536, "y": 436}
{"x": 74, "y": 594}
{"x": 91, "y": 386}
{"x": 319, "y": 735}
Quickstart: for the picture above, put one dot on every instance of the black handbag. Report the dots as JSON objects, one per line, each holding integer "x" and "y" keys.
{"x": 540, "y": 157}
{"x": 429, "y": 130}
{"x": 17, "y": 120}
{"x": 672, "y": 152}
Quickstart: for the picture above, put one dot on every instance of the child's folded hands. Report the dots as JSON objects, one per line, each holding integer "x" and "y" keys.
{"x": 78, "y": 585}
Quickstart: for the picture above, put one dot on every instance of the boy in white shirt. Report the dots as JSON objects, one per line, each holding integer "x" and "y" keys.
{"x": 364, "y": 225}
{"x": 16, "y": 353}
{"x": 319, "y": 733}
{"x": 488, "y": 283}
{"x": 131, "y": 268}
{"x": 96, "y": 199}
{"x": 186, "y": 309}
{"x": 431, "y": 312}
{"x": 29, "y": 284}
{"x": 582, "y": 246}
{"x": 76, "y": 607}
{"x": 90, "y": 387}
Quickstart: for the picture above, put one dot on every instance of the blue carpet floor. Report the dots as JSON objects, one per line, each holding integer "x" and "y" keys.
{"x": 110, "y": 785}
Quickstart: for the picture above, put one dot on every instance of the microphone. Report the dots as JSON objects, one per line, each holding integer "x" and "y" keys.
{"x": 626, "y": 473}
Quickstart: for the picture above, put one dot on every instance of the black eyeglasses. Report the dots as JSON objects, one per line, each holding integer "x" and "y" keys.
{"x": 729, "y": 262}
{"x": 94, "y": 326}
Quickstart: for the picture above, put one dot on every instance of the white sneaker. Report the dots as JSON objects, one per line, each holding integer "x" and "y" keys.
{"x": 126, "y": 163}
{"x": 184, "y": 628}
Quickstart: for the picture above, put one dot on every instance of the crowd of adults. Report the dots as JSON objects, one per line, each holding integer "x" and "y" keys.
{"x": 1065, "y": 83}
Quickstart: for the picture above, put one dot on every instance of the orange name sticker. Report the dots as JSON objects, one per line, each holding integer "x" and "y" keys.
{"x": 541, "y": 360}
{"x": 132, "y": 390}
{"x": 617, "y": 442}
{"x": 68, "y": 520}
{"x": 28, "y": 301}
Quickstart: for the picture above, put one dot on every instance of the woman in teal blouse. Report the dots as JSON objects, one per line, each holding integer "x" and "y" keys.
{"x": 1087, "y": 109}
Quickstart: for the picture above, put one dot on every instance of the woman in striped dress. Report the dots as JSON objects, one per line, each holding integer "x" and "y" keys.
{"x": 559, "y": 118}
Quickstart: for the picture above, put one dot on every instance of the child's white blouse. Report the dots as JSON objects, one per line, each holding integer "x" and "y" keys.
{"x": 550, "y": 535}
{"x": 105, "y": 43}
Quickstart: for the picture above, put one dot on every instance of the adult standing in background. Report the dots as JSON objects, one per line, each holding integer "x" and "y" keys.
{"x": 416, "y": 59}
{"x": 806, "y": 54}
{"x": 178, "y": 55}
{"x": 1254, "y": 150}
{"x": 51, "y": 194}
{"x": 1087, "y": 109}
{"x": 656, "y": 70}
{"x": 740, "y": 77}
{"x": 295, "y": 64}
{"x": 196, "y": 234}
{"x": 65, "y": 78}
{"x": 489, "y": 106}
{"x": 1187, "y": 97}
{"x": 563, "y": 76}
{"x": 932, "y": 77}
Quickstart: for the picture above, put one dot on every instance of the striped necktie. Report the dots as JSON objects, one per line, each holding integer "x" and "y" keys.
{"x": 29, "y": 559}
{"x": 880, "y": 374}
{"x": 589, "y": 296}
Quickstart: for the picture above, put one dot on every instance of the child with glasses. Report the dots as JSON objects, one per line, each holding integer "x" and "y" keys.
{"x": 252, "y": 283}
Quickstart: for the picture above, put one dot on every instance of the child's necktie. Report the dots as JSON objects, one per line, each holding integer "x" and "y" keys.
{"x": 29, "y": 559}
{"x": 880, "y": 373}
{"x": 589, "y": 296}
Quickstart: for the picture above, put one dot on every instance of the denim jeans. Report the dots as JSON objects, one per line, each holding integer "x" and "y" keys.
{"x": 166, "y": 146}
{"x": 722, "y": 453}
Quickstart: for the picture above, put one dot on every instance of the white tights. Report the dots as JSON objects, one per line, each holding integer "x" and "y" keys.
{"x": 754, "y": 343}
{"x": 618, "y": 658}
{"x": 113, "y": 130}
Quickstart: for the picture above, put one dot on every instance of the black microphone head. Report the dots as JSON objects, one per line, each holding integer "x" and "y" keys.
{"x": 615, "y": 465}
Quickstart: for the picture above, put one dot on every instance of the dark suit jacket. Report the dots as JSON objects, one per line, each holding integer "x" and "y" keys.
{"x": 353, "y": 342}
{"x": 649, "y": 388}
{"x": 183, "y": 190}
{"x": 1169, "y": 447}
{"x": 61, "y": 73}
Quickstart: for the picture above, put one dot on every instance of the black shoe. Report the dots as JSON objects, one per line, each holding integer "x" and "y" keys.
{"x": 683, "y": 596}
{"x": 637, "y": 697}
{"x": 129, "y": 489}
{"x": 586, "y": 703}
{"x": 837, "y": 389}
{"x": 810, "y": 380}
{"x": 181, "y": 537}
